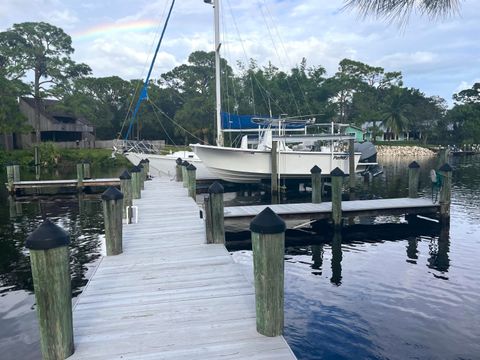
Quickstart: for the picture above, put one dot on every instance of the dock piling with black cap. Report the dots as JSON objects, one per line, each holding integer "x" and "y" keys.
{"x": 142, "y": 175}
{"x": 337, "y": 181}
{"x": 136, "y": 189}
{"x": 50, "y": 264}
{"x": 191, "y": 171}
{"x": 215, "y": 215}
{"x": 445, "y": 172}
{"x": 413, "y": 176}
{"x": 268, "y": 244}
{"x": 126, "y": 189}
{"x": 185, "y": 163}
{"x": 316, "y": 184}
{"x": 178, "y": 170}
{"x": 112, "y": 200}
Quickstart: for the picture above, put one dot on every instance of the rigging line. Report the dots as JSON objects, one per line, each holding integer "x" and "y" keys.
{"x": 247, "y": 61}
{"x": 175, "y": 123}
{"x": 279, "y": 58}
{"x": 286, "y": 55}
{"x": 143, "y": 93}
{"x": 161, "y": 123}
{"x": 154, "y": 40}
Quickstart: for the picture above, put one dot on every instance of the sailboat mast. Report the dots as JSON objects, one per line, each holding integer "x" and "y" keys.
{"x": 218, "y": 99}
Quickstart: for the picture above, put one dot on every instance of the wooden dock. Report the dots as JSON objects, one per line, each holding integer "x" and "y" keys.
{"x": 323, "y": 210}
{"x": 41, "y": 184}
{"x": 169, "y": 295}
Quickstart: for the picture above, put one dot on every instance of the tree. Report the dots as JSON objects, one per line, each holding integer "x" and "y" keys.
{"x": 42, "y": 50}
{"x": 400, "y": 10}
{"x": 469, "y": 96}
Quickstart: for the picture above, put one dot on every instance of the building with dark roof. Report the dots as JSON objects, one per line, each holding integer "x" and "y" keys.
{"x": 54, "y": 125}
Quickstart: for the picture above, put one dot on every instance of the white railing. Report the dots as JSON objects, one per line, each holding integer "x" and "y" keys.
{"x": 142, "y": 147}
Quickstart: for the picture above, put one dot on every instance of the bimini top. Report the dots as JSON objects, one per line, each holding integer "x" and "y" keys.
{"x": 246, "y": 122}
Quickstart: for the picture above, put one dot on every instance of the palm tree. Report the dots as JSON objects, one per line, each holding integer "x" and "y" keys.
{"x": 394, "y": 115}
{"x": 400, "y": 10}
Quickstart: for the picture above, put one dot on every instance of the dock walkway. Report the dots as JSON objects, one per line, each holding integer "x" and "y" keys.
{"x": 349, "y": 208}
{"x": 169, "y": 295}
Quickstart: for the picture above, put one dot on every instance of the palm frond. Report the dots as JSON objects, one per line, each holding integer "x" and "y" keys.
{"x": 400, "y": 10}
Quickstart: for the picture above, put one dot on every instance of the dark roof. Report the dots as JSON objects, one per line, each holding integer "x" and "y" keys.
{"x": 48, "y": 111}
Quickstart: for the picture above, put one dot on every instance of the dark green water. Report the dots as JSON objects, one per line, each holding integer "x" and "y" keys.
{"x": 414, "y": 298}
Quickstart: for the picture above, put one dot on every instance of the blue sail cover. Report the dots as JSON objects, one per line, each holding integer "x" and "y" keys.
{"x": 244, "y": 122}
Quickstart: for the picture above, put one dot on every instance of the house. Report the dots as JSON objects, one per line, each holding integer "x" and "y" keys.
{"x": 357, "y": 131}
{"x": 60, "y": 127}
{"x": 385, "y": 134}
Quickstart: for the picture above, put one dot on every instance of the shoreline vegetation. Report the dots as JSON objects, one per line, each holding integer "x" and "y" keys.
{"x": 52, "y": 157}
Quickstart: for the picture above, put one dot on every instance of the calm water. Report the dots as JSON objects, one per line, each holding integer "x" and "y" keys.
{"x": 416, "y": 298}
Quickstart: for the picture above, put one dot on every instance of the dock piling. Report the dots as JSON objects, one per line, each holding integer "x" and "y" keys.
{"x": 146, "y": 163}
{"x": 337, "y": 181}
{"x": 50, "y": 263}
{"x": 215, "y": 216}
{"x": 10, "y": 177}
{"x": 112, "y": 200}
{"x": 80, "y": 175}
{"x": 126, "y": 189}
{"x": 351, "y": 164}
{"x": 178, "y": 170}
{"x": 413, "y": 176}
{"x": 445, "y": 193}
{"x": 268, "y": 244}
{"x": 274, "y": 167}
{"x": 135, "y": 174}
{"x": 86, "y": 169}
{"x": 142, "y": 175}
{"x": 316, "y": 184}
{"x": 192, "y": 181}
{"x": 185, "y": 163}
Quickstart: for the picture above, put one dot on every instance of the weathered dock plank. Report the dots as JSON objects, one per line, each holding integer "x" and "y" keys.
{"x": 349, "y": 208}
{"x": 169, "y": 295}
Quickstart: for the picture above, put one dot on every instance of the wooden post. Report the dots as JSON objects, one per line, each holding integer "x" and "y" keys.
{"x": 178, "y": 170}
{"x": 80, "y": 175}
{"x": 217, "y": 230}
{"x": 86, "y": 170}
{"x": 207, "y": 214}
{"x": 126, "y": 189}
{"x": 268, "y": 244}
{"x": 316, "y": 184}
{"x": 146, "y": 163}
{"x": 50, "y": 263}
{"x": 185, "y": 163}
{"x": 443, "y": 155}
{"x": 413, "y": 176}
{"x": 191, "y": 181}
{"x": 337, "y": 181}
{"x": 112, "y": 200}
{"x": 274, "y": 167}
{"x": 142, "y": 175}
{"x": 36, "y": 155}
{"x": 445, "y": 194}
{"x": 351, "y": 164}
{"x": 135, "y": 173}
{"x": 16, "y": 172}
{"x": 10, "y": 178}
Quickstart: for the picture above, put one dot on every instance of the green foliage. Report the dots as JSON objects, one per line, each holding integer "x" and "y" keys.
{"x": 49, "y": 154}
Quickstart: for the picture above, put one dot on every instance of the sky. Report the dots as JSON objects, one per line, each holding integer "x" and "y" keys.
{"x": 117, "y": 37}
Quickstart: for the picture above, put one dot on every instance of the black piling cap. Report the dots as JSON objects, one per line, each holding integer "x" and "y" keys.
{"x": 413, "y": 165}
{"x": 179, "y": 161}
{"x": 315, "y": 170}
{"x": 216, "y": 188}
{"x": 147, "y": 161}
{"x": 135, "y": 169}
{"x": 86, "y": 161}
{"x": 47, "y": 236}
{"x": 112, "y": 193}
{"x": 191, "y": 167}
{"x": 185, "y": 163}
{"x": 267, "y": 222}
{"x": 142, "y": 161}
{"x": 337, "y": 172}
{"x": 125, "y": 176}
{"x": 446, "y": 167}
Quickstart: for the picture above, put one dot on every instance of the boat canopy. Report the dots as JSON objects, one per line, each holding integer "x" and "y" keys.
{"x": 248, "y": 122}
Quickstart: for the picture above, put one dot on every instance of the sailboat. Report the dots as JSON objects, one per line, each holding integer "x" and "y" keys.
{"x": 247, "y": 165}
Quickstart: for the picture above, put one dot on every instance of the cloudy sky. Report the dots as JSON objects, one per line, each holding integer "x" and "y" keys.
{"x": 116, "y": 37}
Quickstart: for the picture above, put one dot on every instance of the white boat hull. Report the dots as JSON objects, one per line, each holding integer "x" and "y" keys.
{"x": 250, "y": 166}
{"x": 164, "y": 165}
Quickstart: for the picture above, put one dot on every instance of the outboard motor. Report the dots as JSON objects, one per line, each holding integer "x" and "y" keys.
{"x": 368, "y": 151}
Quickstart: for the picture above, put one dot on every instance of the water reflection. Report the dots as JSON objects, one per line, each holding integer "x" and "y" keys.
{"x": 336, "y": 278}
{"x": 438, "y": 250}
{"x": 412, "y": 250}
